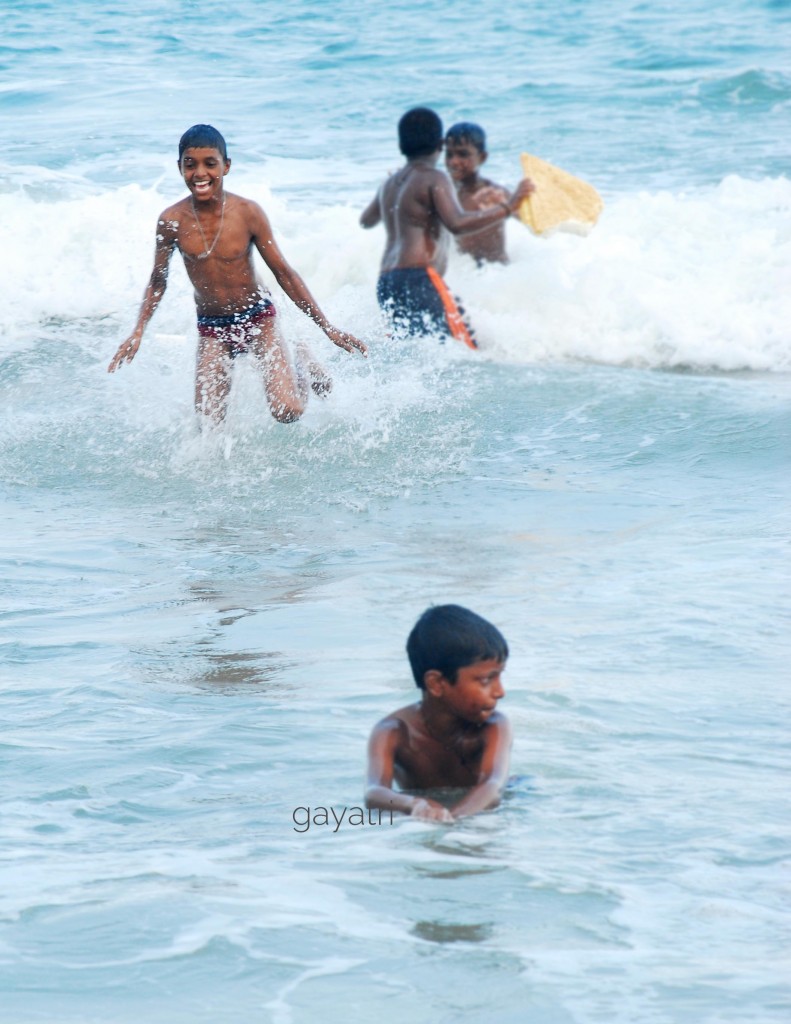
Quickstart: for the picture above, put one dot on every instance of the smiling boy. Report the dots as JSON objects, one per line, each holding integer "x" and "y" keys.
{"x": 216, "y": 231}
{"x": 465, "y": 153}
{"x": 454, "y": 738}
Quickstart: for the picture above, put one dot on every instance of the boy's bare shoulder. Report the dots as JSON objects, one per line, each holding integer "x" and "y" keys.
{"x": 173, "y": 214}
{"x": 489, "y": 189}
{"x": 398, "y": 721}
{"x": 437, "y": 176}
{"x": 497, "y": 721}
{"x": 241, "y": 208}
{"x": 242, "y": 203}
{"x": 416, "y": 176}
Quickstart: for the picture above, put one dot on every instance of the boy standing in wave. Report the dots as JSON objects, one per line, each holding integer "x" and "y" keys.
{"x": 419, "y": 207}
{"x": 465, "y": 152}
{"x": 454, "y": 737}
{"x": 215, "y": 232}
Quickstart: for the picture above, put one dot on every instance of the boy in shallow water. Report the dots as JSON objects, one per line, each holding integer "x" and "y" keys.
{"x": 465, "y": 153}
{"x": 454, "y": 738}
{"x": 419, "y": 207}
{"x": 215, "y": 232}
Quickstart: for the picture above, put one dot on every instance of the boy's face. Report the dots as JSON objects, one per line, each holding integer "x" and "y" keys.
{"x": 203, "y": 170}
{"x": 463, "y": 159}
{"x": 478, "y": 688}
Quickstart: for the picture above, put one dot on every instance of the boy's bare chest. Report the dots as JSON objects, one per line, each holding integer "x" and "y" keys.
{"x": 224, "y": 242}
{"x": 453, "y": 761}
{"x": 220, "y": 232}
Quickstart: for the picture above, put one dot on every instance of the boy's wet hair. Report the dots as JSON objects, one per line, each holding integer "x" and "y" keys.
{"x": 202, "y": 136}
{"x": 419, "y": 132}
{"x": 466, "y": 131}
{"x": 449, "y": 637}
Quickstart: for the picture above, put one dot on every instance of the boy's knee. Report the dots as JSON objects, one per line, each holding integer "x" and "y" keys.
{"x": 287, "y": 412}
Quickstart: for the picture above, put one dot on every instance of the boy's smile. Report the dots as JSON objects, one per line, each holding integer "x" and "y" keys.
{"x": 203, "y": 171}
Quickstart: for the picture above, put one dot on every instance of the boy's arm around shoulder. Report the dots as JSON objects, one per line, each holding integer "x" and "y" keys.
{"x": 383, "y": 744}
{"x": 289, "y": 280}
{"x": 459, "y": 221}
{"x": 490, "y": 194}
{"x": 167, "y": 236}
{"x": 493, "y": 773}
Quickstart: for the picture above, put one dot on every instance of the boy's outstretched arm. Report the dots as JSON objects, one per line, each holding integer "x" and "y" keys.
{"x": 157, "y": 283}
{"x": 493, "y": 774}
{"x": 379, "y": 791}
{"x": 293, "y": 285}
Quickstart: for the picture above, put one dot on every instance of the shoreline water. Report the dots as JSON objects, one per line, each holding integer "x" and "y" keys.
{"x": 200, "y": 631}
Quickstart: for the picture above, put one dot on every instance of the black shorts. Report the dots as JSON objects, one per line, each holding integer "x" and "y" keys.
{"x": 410, "y": 299}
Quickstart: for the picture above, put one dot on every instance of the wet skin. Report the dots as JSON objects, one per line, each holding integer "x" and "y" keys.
{"x": 453, "y": 738}
{"x": 216, "y": 233}
{"x": 419, "y": 207}
{"x": 463, "y": 161}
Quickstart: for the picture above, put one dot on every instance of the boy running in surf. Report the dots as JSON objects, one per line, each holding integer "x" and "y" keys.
{"x": 215, "y": 232}
{"x": 465, "y": 152}
{"x": 419, "y": 207}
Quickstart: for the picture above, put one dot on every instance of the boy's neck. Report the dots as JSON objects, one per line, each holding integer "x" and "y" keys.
{"x": 209, "y": 202}
{"x": 471, "y": 183}
{"x": 425, "y": 160}
{"x": 441, "y": 724}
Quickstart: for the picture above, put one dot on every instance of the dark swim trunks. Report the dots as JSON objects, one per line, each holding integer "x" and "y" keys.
{"x": 236, "y": 329}
{"x": 418, "y": 301}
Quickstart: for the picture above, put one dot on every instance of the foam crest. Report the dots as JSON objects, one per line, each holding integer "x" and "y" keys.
{"x": 693, "y": 280}
{"x": 698, "y": 279}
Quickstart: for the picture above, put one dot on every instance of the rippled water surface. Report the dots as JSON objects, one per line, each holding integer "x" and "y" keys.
{"x": 198, "y": 632}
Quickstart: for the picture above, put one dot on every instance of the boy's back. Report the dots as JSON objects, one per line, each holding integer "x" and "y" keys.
{"x": 415, "y": 234}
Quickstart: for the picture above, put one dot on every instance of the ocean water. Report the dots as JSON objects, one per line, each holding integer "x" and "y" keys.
{"x": 198, "y": 632}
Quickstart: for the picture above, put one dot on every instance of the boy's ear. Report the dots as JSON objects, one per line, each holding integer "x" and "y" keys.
{"x": 433, "y": 680}
{"x": 484, "y": 157}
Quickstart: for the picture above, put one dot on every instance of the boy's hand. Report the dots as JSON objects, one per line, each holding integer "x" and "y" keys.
{"x": 490, "y": 195}
{"x": 126, "y": 352}
{"x": 347, "y": 342}
{"x": 425, "y": 809}
{"x": 523, "y": 191}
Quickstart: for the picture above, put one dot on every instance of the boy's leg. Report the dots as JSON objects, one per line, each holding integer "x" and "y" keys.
{"x": 286, "y": 388}
{"x": 320, "y": 380}
{"x": 212, "y": 379}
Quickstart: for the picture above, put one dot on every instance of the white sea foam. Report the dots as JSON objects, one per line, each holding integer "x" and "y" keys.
{"x": 699, "y": 279}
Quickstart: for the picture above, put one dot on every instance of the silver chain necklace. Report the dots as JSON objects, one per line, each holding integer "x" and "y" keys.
{"x": 208, "y": 249}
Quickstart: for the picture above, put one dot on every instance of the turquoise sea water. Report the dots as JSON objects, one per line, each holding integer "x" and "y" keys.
{"x": 197, "y": 633}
